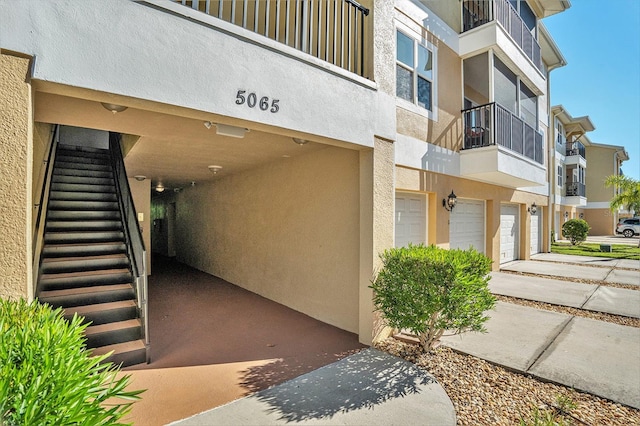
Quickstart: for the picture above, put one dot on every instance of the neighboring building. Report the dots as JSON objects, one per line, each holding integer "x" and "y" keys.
{"x": 580, "y": 169}
{"x": 286, "y": 136}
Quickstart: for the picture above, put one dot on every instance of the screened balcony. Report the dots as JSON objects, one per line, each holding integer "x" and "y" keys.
{"x": 331, "y": 30}
{"x": 576, "y": 148}
{"x": 476, "y": 13}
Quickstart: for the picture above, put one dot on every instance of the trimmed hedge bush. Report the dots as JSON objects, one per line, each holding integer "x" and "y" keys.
{"x": 47, "y": 377}
{"x": 576, "y": 230}
{"x": 428, "y": 290}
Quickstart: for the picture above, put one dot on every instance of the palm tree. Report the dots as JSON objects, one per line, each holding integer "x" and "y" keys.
{"x": 627, "y": 195}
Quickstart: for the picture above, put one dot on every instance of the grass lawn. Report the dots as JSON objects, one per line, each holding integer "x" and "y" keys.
{"x": 619, "y": 251}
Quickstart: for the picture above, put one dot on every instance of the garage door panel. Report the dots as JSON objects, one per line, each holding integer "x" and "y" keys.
{"x": 535, "y": 233}
{"x": 509, "y": 235}
{"x": 410, "y": 221}
{"x": 466, "y": 225}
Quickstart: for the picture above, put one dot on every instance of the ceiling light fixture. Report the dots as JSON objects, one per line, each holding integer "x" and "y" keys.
{"x": 215, "y": 169}
{"x": 300, "y": 141}
{"x": 160, "y": 188}
{"x": 139, "y": 178}
{"x": 208, "y": 124}
{"x": 113, "y": 107}
{"x": 227, "y": 130}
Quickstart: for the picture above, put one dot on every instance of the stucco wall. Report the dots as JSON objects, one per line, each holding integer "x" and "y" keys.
{"x": 600, "y": 164}
{"x": 601, "y": 221}
{"x": 288, "y": 231}
{"x": 16, "y": 117}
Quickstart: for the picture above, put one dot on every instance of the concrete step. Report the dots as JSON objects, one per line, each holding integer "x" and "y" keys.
{"x": 113, "y": 332}
{"x": 82, "y": 151}
{"x": 63, "y": 265}
{"x": 83, "y": 158}
{"x": 82, "y": 166}
{"x": 84, "y": 279}
{"x": 83, "y": 237}
{"x": 61, "y": 171}
{"x": 87, "y": 295}
{"x": 78, "y": 250}
{"x": 83, "y": 225}
{"x": 84, "y": 180}
{"x": 82, "y": 196}
{"x": 83, "y": 215}
{"x": 82, "y": 205}
{"x": 74, "y": 187}
{"x": 124, "y": 354}
{"x": 102, "y": 313}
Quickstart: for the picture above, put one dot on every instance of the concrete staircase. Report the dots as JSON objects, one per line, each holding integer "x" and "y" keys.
{"x": 84, "y": 265}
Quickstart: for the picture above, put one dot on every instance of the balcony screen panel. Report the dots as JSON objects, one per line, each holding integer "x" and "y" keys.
{"x": 405, "y": 49}
{"x": 528, "y": 106}
{"x": 424, "y": 93}
{"x": 527, "y": 16}
{"x": 505, "y": 86}
{"x": 404, "y": 83}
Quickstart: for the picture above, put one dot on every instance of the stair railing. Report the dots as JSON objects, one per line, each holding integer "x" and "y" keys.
{"x": 133, "y": 236}
{"x": 41, "y": 206}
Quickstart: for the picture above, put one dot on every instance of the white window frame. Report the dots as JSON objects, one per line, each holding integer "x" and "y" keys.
{"x": 413, "y": 106}
{"x": 560, "y": 171}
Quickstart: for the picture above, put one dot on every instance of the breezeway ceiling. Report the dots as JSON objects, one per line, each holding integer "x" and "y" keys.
{"x": 172, "y": 150}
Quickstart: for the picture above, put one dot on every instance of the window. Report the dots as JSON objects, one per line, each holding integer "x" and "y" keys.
{"x": 415, "y": 71}
{"x": 560, "y": 173}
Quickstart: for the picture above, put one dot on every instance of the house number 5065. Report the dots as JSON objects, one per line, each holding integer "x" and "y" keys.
{"x": 252, "y": 100}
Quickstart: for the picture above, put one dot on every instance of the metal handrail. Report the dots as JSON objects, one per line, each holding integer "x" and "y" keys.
{"x": 330, "y": 30}
{"x": 133, "y": 235}
{"x": 42, "y": 206}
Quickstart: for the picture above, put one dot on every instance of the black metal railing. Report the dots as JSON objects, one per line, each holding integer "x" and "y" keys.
{"x": 133, "y": 236}
{"x": 492, "y": 124}
{"x": 575, "y": 189}
{"x": 576, "y": 148}
{"x": 331, "y": 30}
{"x": 476, "y": 13}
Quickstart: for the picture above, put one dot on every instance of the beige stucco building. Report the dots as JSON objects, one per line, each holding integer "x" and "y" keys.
{"x": 282, "y": 149}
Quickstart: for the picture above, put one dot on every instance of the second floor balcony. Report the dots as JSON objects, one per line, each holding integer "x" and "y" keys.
{"x": 575, "y": 194}
{"x": 333, "y": 31}
{"x": 575, "y": 154}
{"x": 501, "y": 148}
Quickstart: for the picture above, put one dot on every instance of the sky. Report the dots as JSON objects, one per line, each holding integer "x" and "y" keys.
{"x": 600, "y": 40}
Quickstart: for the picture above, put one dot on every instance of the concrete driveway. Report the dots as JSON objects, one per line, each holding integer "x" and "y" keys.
{"x": 593, "y": 356}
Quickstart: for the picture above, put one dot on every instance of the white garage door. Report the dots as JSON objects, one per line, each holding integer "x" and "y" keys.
{"x": 466, "y": 225}
{"x": 509, "y": 238}
{"x": 536, "y": 222}
{"x": 411, "y": 219}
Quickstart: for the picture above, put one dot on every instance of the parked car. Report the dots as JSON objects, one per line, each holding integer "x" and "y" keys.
{"x": 629, "y": 227}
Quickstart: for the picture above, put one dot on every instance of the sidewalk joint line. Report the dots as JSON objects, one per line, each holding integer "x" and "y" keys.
{"x": 590, "y": 296}
{"x": 551, "y": 341}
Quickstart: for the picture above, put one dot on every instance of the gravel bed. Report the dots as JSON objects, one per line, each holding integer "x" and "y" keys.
{"x": 600, "y": 316}
{"x": 486, "y": 394}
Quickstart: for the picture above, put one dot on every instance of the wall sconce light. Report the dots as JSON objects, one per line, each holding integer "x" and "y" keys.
{"x": 450, "y": 202}
{"x": 566, "y": 215}
{"x": 300, "y": 141}
{"x": 533, "y": 209}
{"x": 113, "y": 107}
{"x": 215, "y": 169}
{"x": 160, "y": 187}
{"x": 226, "y": 130}
{"x": 581, "y": 215}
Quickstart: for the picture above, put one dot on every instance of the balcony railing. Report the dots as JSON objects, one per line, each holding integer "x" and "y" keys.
{"x": 576, "y": 148}
{"x": 575, "y": 189}
{"x": 331, "y": 30}
{"x": 493, "y": 124}
{"x": 479, "y": 12}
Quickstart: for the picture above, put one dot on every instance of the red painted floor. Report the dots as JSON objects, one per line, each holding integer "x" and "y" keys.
{"x": 213, "y": 342}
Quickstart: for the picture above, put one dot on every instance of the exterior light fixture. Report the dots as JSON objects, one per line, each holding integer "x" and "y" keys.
{"x": 300, "y": 141}
{"x": 450, "y": 202}
{"x": 139, "y": 178}
{"x": 581, "y": 215}
{"x": 113, "y": 107}
{"x": 215, "y": 169}
{"x": 533, "y": 209}
{"x": 160, "y": 187}
{"x": 566, "y": 215}
{"x": 227, "y": 130}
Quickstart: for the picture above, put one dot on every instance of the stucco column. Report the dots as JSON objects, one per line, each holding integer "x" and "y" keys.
{"x": 16, "y": 118}
{"x": 376, "y": 227}
{"x": 525, "y": 233}
{"x": 493, "y": 233}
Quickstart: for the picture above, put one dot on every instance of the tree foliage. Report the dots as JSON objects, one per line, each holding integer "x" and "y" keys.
{"x": 47, "y": 377}
{"x": 627, "y": 195}
{"x": 428, "y": 290}
{"x": 575, "y": 230}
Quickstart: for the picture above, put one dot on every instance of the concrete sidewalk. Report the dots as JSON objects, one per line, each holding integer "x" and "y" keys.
{"x": 608, "y": 274}
{"x": 370, "y": 387}
{"x": 588, "y": 260}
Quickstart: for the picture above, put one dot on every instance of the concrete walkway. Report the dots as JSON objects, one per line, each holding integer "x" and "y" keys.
{"x": 594, "y": 356}
{"x": 370, "y": 387}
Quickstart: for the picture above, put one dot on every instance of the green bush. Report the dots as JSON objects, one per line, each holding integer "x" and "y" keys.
{"x": 428, "y": 290}
{"x": 575, "y": 230}
{"x": 47, "y": 376}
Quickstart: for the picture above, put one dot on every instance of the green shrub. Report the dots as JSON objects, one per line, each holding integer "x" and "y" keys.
{"x": 575, "y": 230}
{"x": 47, "y": 376}
{"x": 428, "y": 290}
